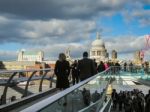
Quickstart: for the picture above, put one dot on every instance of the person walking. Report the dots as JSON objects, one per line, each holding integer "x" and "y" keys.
{"x": 114, "y": 97}
{"x": 125, "y": 66}
{"x": 131, "y": 67}
{"x": 62, "y": 71}
{"x": 101, "y": 67}
{"x": 86, "y": 67}
{"x": 75, "y": 73}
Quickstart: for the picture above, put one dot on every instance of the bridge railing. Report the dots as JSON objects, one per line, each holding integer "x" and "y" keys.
{"x": 130, "y": 69}
{"x": 74, "y": 98}
{"x": 14, "y": 77}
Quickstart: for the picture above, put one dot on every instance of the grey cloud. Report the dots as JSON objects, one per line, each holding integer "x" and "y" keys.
{"x": 145, "y": 22}
{"x": 66, "y": 9}
{"x": 143, "y": 16}
{"x": 45, "y": 32}
{"x": 52, "y": 51}
{"x": 126, "y": 44}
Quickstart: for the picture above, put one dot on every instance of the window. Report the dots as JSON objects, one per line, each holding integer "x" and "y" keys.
{"x": 93, "y": 53}
{"x": 98, "y": 53}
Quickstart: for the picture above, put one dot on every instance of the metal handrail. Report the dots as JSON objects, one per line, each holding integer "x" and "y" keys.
{"x": 50, "y": 100}
{"x": 106, "y": 106}
{"x": 29, "y": 70}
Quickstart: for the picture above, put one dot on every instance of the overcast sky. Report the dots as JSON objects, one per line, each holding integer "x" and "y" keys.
{"x": 55, "y": 25}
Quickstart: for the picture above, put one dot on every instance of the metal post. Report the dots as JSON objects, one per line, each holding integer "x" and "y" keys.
{"x": 26, "y": 88}
{"x": 41, "y": 82}
{"x": 51, "y": 78}
{"x": 3, "y": 97}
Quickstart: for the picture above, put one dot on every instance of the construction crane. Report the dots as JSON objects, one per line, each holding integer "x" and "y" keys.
{"x": 147, "y": 46}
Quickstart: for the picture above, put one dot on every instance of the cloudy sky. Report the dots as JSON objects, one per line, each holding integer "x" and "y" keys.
{"x": 55, "y": 25}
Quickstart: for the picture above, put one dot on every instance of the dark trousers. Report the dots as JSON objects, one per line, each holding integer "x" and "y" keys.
{"x": 114, "y": 104}
{"x": 75, "y": 78}
{"x": 120, "y": 106}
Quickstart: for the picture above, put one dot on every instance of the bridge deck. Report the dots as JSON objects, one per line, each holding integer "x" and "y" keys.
{"x": 123, "y": 82}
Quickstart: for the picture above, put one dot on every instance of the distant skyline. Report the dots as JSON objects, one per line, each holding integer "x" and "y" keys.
{"x": 54, "y": 25}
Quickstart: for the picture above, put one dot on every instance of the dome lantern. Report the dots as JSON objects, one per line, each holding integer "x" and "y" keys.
{"x": 97, "y": 35}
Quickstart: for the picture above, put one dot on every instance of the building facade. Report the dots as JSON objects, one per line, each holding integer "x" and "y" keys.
{"x": 17, "y": 65}
{"x": 137, "y": 58}
{"x": 114, "y": 55}
{"x": 23, "y": 65}
{"x": 98, "y": 50}
{"x": 31, "y": 56}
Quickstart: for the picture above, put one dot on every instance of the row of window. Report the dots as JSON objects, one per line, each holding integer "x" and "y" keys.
{"x": 31, "y": 58}
{"x": 98, "y": 53}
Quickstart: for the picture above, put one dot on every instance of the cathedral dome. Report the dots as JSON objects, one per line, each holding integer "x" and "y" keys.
{"x": 97, "y": 43}
{"x": 98, "y": 50}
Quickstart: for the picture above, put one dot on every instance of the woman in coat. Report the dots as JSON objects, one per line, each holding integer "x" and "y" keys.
{"x": 62, "y": 71}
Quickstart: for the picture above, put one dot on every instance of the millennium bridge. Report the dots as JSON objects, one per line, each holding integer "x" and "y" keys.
{"x": 20, "y": 93}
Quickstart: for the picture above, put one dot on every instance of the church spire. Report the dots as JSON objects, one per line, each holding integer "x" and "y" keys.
{"x": 97, "y": 35}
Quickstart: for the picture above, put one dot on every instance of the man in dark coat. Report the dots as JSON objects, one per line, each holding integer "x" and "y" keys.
{"x": 62, "y": 71}
{"x": 86, "y": 67}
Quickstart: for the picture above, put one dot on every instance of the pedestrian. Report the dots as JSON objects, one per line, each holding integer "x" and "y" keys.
{"x": 131, "y": 67}
{"x": 114, "y": 97}
{"x": 86, "y": 96}
{"x": 125, "y": 66}
{"x": 86, "y": 67}
{"x": 95, "y": 96}
{"x": 120, "y": 100}
{"x": 95, "y": 63}
{"x": 101, "y": 67}
{"x": 75, "y": 73}
{"x": 117, "y": 67}
{"x": 106, "y": 65}
{"x": 62, "y": 71}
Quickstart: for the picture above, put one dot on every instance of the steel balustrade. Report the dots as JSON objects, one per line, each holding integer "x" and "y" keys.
{"x": 10, "y": 81}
